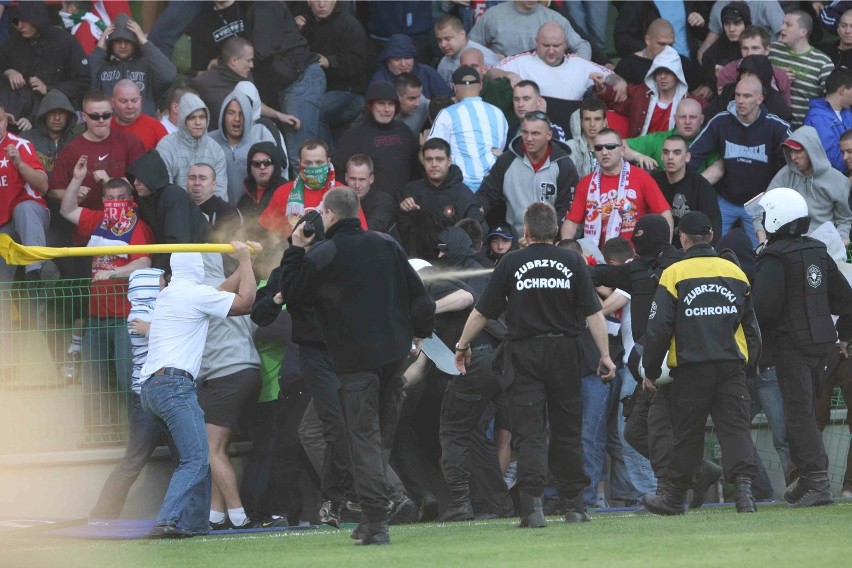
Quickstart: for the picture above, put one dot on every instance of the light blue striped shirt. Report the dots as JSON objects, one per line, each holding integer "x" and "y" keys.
{"x": 473, "y": 128}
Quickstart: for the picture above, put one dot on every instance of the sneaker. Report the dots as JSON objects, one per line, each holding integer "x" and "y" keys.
{"x": 353, "y": 507}
{"x": 846, "y": 493}
{"x": 601, "y": 502}
{"x": 403, "y": 511}
{"x": 223, "y": 526}
{"x": 329, "y": 513}
{"x": 270, "y": 521}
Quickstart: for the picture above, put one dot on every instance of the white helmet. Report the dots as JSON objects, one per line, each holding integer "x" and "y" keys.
{"x": 418, "y": 264}
{"x": 665, "y": 373}
{"x": 782, "y": 205}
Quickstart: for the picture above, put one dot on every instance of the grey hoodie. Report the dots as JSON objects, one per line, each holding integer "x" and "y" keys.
{"x": 229, "y": 347}
{"x": 236, "y": 156}
{"x": 180, "y": 150}
{"x": 46, "y": 147}
{"x": 826, "y": 190}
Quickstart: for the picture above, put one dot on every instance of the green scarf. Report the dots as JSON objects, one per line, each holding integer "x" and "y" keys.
{"x": 312, "y": 177}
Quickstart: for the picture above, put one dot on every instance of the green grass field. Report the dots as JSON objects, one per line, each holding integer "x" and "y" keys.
{"x": 775, "y": 536}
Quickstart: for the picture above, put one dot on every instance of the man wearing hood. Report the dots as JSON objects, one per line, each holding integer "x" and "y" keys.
{"x": 54, "y": 127}
{"x": 175, "y": 346}
{"x": 749, "y": 141}
{"x": 291, "y": 201}
{"x": 166, "y": 208}
{"x": 651, "y": 107}
{"x": 536, "y": 168}
{"x": 760, "y": 67}
{"x": 428, "y": 206}
{"x": 124, "y": 52}
{"x": 37, "y": 58}
{"x": 237, "y": 133}
{"x": 191, "y": 145}
{"x": 736, "y": 17}
{"x": 388, "y": 141}
{"x": 263, "y": 179}
{"x": 127, "y": 106}
{"x": 106, "y": 345}
{"x": 398, "y": 56}
{"x": 807, "y": 67}
{"x": 809, "y": 173}
{"x": 832, "y": 115}
{"x": 110, "y": 152}
{"x": 499, "y": 241}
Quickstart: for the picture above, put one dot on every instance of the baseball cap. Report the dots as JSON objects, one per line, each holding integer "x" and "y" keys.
{"x": 793, "y": 145}
{"x": 501, "y": 230}
{"x": 465, "y": 75}
{"x": 695, "y": 223}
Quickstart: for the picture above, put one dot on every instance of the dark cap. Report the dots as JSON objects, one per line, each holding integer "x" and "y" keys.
{"x": 502, "y": 230}
{"x": 695, "y": 223}
{"x": 793, "y": 144}
{"x": 465, "y": 75}
{"x": 732, "y": 14}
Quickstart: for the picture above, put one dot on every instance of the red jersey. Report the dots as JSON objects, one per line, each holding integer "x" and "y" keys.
{"x": 147, "y": 129}
{"x": 13, "y": 188}
{"x": 274, "y": 217}
{"x": 112, "y": 155}
{"x": 108, "y": 298}
{"x": 642, "y": 195}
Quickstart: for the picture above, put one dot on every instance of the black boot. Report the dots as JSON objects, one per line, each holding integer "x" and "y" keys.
{"x": 797, "y": 489}
{"x": 532, "y": 512}
{"x": 818, "y": 493}
{"x": 428, "y": 509}
{"x": 375, "y": 533}
{"x": 359, "y": 531}
{"x": 575, "y": 510}
{"x": 744, "y": 498}
{"x": 707, "y": 476}
{"x": 459, "y": 512}
{"x": 672, "y": 502}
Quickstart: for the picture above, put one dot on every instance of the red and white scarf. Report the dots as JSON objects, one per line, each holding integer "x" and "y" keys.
{"x": 594, "y": 207}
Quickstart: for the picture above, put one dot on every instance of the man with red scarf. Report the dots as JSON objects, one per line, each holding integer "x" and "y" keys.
{"x": 316, "y": 177}
{"x": 106, "y": 344}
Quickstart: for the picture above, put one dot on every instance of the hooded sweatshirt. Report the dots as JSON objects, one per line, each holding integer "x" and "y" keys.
{"x": 825, "y": 190}
{"x": 235, "y": 155}
{"x": 830, "y": 127}
{"x": 54, "y": 56}
{"x": 751, "y": 152}
{"x": 254, "y": 200}
{"x": 400, "y": 45}
{"x": 180, "y": 150}
{"x": 143, "y": 290}
{"x": 229, "y": 347}
{"x": 152, "y": 71}
{"x": 46, "y": 147}
{"x": 179, "y": 325}
{"x": 250, "y": 91}
{"x": 642, "y": 100}
{"x": 760, "y": 66}
{"x": 170, "y": 211}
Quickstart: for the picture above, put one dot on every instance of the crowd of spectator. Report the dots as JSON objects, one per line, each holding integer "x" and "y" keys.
{"x": 439, "y": 115}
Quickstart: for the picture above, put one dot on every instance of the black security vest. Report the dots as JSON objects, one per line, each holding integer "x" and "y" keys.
{"x": 644, "y": 277}
{"x": 806, "y": 306}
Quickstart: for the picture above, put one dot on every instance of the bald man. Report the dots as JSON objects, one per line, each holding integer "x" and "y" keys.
{"x": 127, "y": 115}
{"x": 749, "y": 141}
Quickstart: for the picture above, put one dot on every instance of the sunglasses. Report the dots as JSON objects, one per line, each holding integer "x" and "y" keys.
{"x": 96, "y": 116}
{"x": 610, "y": 146}
{"x": 260, "y": 163}
{"x": 537, "y": 115}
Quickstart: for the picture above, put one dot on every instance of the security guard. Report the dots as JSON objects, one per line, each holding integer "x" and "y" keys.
{"x": 702, "y": 315}
{"x": 796, "y": 289}
{"x": 546, "y": 292}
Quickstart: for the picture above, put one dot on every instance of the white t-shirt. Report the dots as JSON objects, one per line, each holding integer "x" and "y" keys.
{"x": 568, "y": 81}
{"x": 179, "y": 326}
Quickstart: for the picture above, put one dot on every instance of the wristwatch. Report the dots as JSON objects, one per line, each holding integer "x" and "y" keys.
{"x": 459, "y": 348}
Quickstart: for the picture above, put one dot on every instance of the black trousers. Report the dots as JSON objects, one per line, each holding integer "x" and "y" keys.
{"x": 546, "y": 387}
{"x": 408, "y": 456}
{"x": 324, "y": 385}
{"x": 370, "y": 408}
{"x": 648, "y": 429}
{"x": 800, "y": 378}
{"x": 710, "y": 389}
{"x": 840, "y": 376}
{"x": 462, "y": 441}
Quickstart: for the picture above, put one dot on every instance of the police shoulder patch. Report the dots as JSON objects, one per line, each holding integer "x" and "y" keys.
{"x": 814, "y": 276}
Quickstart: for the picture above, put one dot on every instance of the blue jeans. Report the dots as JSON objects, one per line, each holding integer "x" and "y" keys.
{"x": 639, "y": 470}
{"x": 302, "y": 98}
{"x": 730, "y": 213}
{"x": 337, "y": 110}
{"x": 106, "y": 360}
{"x": 172, "y": 399}
{"x": 766, "y": 396}
{"x": 596, "y": 396}
{"x": 171, "y": 24}
{"x": 145, "y": 434}
{"x": 591, "y": 17}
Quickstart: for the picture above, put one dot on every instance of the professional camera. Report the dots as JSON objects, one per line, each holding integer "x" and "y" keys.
{"x": 312, "y": 220}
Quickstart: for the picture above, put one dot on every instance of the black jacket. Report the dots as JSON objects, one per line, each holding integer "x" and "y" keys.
{"x": 170, "y": 212}
{"x": 440, "y": 207}
{"x": 343, "y": 41}
{"x": 380, "y": 210}
{"x": 369, "y": 302}
{"x": 702, "y": 313}
{"x": 633, "y": 20}
{"x": 54, "y": 56}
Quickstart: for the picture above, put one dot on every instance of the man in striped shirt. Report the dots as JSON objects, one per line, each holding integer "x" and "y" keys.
{"x": 806, "y": 66}
{"x": 476, "y": 130}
